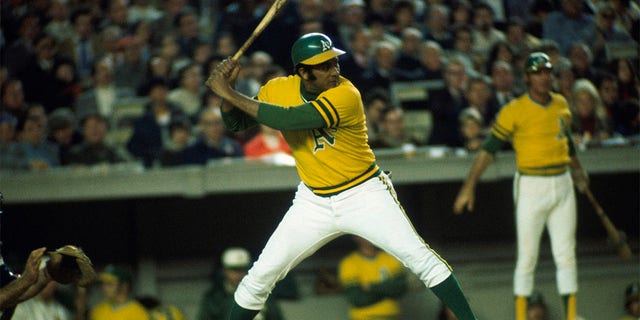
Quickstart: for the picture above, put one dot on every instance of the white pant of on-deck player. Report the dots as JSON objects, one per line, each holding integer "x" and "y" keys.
{"x": 545, "y": 201}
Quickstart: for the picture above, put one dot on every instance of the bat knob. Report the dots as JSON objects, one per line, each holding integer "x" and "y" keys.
{"x": 622, "y": 239}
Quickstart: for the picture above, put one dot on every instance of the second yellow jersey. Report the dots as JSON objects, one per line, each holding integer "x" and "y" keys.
{"x": 355, "y": 269}
{"x": 333, "y": 158}
{"x": 537, "y": 133}
{"x": 129, "y": 311}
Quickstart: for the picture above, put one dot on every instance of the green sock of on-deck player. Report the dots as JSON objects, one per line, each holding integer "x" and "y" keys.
{"x": 451, "y": 295}
{"x": 240, "y": 313}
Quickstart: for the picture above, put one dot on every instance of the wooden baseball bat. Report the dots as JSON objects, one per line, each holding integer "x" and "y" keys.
{"x": 615, "y": 235}
{"x": 275, "y": 7}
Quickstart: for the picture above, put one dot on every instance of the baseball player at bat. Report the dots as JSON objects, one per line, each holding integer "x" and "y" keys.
{"x": 343, "y": 191}
{"x": 537, "y": 124}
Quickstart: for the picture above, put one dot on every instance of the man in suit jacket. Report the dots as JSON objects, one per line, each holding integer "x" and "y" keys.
{"x": 84, "y": 45}
{"x": 151, "y": 130}
{"x": 104, "y": 95}
{"x": 445, "y": 104}
{"x": 503, "y": 88}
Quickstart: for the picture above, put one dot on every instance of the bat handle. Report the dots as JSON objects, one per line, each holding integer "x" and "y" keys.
{"x": 596, "y": 205}
{"x": 244, "y": 47}
{"x": 238, "y": 54}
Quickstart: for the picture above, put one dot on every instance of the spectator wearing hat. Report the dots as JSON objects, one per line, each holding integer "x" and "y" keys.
{"x": 632, "y": 302}
{"x": 217, "y": 300}
{"x": 62, "y": 131}
{"x": 118, "y": 303}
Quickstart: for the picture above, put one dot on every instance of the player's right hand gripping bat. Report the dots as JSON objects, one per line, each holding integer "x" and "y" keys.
{"x": 275, "y": 7}
{"x": 615, "y": 236}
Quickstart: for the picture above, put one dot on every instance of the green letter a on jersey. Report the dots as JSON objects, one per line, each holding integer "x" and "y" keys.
{"x": 319, "y": 135}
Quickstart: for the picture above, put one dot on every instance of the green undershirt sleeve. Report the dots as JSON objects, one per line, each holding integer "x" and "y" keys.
{"x": 492, "y": 143}
{"x": 236, "y": 120}
{"x": 299, "y": 118}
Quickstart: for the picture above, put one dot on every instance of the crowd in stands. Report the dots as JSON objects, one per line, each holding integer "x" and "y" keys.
{"x": 72, "y": 70}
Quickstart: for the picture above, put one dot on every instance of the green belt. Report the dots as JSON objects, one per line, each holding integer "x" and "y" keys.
{"x": 544, "y": 171}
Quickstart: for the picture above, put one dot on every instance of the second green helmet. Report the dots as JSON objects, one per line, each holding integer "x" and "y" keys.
{"x": 313, "y": 48}
{"x": 538, "y": 61}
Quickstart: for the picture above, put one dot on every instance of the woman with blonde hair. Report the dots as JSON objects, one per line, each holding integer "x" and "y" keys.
{"x": 590, "y": 122}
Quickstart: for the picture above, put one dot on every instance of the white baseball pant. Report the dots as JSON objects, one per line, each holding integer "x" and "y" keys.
{"x": 370, "y": 210}
{"x": 545, "y": 201}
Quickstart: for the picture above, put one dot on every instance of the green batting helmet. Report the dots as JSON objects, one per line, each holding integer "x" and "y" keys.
{"x": 538, "y": 61}
{"x": 313, "y": 48}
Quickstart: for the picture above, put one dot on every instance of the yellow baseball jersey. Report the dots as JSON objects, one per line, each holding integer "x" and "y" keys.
{"x": 166, "y": 313}
{"x": 130, "y": 311}
{"x": 537, "y": 133}
{"x": 333, "y": 158}
{"x": 358, "y": 270}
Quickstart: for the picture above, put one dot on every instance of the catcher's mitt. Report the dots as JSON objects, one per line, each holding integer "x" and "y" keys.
{"x": 69, "y": 264}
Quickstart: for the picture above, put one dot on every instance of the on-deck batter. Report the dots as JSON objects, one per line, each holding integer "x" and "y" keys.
{"x": 537, "y": 124}
{"x": 343, "y": 191}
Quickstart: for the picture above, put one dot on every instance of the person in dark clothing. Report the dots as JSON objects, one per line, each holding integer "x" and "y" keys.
{"x": 151, "y": 130}
{"x": 212, "y": 142}
{"x": 179, "y": 139}
{"x": 94, "y": 150}
{"x": 445, "y": 105}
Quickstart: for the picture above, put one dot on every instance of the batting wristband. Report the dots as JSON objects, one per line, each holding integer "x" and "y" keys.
{"x": 492, "y": 143}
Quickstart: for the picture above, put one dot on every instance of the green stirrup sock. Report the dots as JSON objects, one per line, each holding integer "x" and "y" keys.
{"x": 451, "y": 295}
{"x": 240, "y": 313}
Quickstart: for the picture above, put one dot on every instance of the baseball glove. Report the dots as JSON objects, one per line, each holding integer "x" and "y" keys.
{"x": 70, "y": 264}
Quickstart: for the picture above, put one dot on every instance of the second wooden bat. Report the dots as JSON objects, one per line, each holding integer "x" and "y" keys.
{"x": 615, "y": 235}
